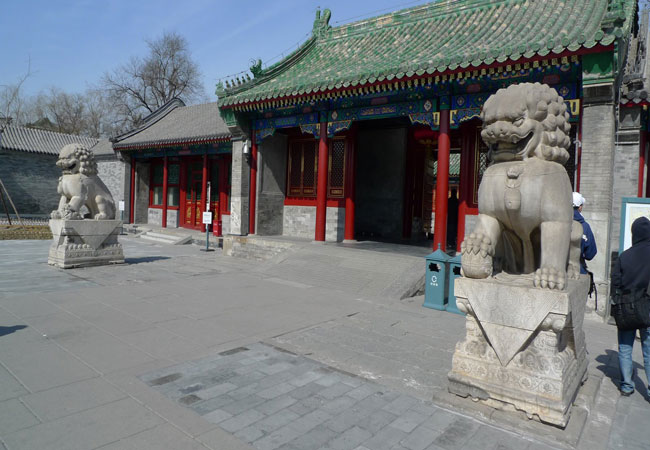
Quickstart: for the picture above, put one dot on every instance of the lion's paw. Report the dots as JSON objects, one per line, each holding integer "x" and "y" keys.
{"x": 477, "y": 252}
{"x": 550, "y": 277}
{"x": 56, "y": 214}
{"x": 573, "y": 272}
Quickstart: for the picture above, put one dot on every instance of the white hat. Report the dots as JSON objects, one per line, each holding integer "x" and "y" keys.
{"x": 578, "y": 200}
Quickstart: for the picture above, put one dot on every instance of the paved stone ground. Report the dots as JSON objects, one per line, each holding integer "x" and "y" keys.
{"x": 81, "y": 350}
{"x": 278, "y": 400}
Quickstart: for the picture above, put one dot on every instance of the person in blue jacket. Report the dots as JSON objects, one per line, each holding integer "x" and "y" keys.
{"x": 588, "y": 244}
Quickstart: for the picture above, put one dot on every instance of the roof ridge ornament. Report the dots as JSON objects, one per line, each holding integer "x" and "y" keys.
{"x": 321, "y": 23}
{"x": 256, "y": 68}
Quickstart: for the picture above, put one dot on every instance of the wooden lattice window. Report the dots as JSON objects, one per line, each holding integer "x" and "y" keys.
{"x": 336, "y": 177}
{"x": 302, "y": 168}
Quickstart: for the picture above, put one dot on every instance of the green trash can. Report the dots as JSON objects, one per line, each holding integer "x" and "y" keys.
{"x": 435, "y": 283}
{"x": 454, "y": 272}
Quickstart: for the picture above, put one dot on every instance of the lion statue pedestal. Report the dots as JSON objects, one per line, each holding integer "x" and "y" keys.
{"x": 521, "y": 286}
{"x": 83, "y": 243}
{"x": 79, "y": 242}
{"x": 524, "y": 347}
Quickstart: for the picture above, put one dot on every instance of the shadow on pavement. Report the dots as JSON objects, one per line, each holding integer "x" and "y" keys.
{"x": 609, "y": 366}
{"x": 9, "y": 330}
{"x": 145, "y": 259}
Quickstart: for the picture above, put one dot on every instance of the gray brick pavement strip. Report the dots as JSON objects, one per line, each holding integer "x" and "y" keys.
{"x": 72, "y": 330}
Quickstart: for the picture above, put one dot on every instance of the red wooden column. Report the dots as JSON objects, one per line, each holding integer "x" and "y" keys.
{"x": 642, "y": 144}
{"x": 204, "y": 187}
{"x": 132, "y": 199}
{"x": 164, "y": 205}
{"x": 442, "y": 183}
{"x": 348, "y": 233}
{"x": 466, "y": 178}
{"x": 321, "y": 193}
{"x": 253, "y": 185}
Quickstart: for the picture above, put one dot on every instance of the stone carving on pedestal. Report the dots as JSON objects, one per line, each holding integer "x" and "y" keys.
{"x": 522, "y": 290}
{"x": 79, "y": 241}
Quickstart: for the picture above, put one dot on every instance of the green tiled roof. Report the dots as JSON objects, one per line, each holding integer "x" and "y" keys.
{"x": 437, "y": 37}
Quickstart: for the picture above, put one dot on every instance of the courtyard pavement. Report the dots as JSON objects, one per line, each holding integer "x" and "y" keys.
{"x": 183, "y": 349}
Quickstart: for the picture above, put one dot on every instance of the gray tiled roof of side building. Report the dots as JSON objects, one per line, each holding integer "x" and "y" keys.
{"x": 103, "y": 147}
{"x": 179, "y": 124}
{"x": 33, "y": 140}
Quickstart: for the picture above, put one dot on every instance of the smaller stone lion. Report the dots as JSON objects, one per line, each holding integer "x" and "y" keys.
{"x": 80, "y": 186}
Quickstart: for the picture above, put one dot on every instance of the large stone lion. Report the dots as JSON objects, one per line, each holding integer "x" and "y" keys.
{"x": 525, "y": 222}
{"x": 80, "y": 186}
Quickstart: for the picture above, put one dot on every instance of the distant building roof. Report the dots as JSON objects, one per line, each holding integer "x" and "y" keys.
{"x": 33, "y": 140}
{"x": 173, "y": 124}
{"x": 103, "y": 147}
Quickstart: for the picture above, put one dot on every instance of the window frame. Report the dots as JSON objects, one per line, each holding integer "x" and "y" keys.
{"x": 160, "y": 162}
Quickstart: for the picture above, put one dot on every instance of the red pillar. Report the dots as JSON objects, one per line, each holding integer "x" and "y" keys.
{"x": 642, "y": 145}
{"x": 442, "y": 183}
{"x": 466, "y": 178}
{"x": 253, "y": 185}
{"x": 164, "y": 205}
{"x": 348, "y": 234}
{"x": 132, "y": 199}
{"x": 204, "y": 187}
{"x": 321, "y": 193}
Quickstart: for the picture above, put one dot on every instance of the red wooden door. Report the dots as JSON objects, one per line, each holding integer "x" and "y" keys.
{"x": 192, "y": 213}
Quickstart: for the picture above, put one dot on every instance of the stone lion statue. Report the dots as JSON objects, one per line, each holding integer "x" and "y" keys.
{"x": 525, "y": 222}
{"x": 80, "y": 186}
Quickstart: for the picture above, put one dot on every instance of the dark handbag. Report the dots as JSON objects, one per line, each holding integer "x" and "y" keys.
{"x": 631, "y": 309}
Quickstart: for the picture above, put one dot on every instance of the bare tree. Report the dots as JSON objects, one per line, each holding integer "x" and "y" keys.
{"x": 143, "y": 85}
{"x": 12, "y": 103}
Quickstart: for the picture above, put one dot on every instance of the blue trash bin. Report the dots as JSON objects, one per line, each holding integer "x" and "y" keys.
{"x": 454, "y": 272}
{"x": 435, "y": 283}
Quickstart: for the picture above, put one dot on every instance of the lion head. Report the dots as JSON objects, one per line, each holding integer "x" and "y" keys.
{"x": 75, "y": 158}
{"x": 526, "y": 120}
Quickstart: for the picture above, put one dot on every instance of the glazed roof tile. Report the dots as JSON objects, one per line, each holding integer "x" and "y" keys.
{"x": 434, "y": 38}
{"x": 175, "y": 123}
{"x": 33, "y": 140}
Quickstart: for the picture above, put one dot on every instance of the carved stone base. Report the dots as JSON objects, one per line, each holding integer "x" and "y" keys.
{"x": 524, "y": 347}
{"x": 83, "y": 243}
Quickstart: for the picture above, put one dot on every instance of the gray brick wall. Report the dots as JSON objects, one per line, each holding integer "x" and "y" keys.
{"x": 300, "y": 221}
{"x": 154, "y": 217}
{"x": 271, "y": 182}
{"x": 142, "y": 178}
{"x": 112, "y": 174}
{"x": 626, "y": 175}
{"x": 596, "y": 178}
{"x": 31, "y": 180}
{"x": 239, "y": 191}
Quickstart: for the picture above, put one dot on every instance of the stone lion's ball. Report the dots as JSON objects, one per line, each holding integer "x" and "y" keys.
{"x": 475, "y": 266}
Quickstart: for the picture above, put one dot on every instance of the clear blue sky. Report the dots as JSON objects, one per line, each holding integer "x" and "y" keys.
{"x": 71, "y": 43}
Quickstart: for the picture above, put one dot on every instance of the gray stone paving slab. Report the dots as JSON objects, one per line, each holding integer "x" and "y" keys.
{"x": 162, "y": 437}
{"x": 15, "y": 416}
{"x": 90, "y": 429}
{"x": 10, "y": 387}
{"x": 72, "y": 398}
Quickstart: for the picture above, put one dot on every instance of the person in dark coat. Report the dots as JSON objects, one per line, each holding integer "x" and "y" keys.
{"x": 632, "y": 272}
{"x": 588, "y": 243}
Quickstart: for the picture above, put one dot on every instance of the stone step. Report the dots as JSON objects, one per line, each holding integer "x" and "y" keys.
{"x": 167, "y": 238}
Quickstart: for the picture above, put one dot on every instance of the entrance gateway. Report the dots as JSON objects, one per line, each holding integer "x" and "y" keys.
{"x": 367, "y": 128}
